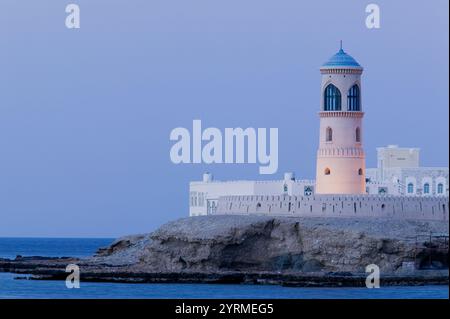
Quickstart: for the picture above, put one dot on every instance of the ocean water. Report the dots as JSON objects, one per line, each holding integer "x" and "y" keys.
{"x": 24, "y": 288}
{"x": 51, "y": 247}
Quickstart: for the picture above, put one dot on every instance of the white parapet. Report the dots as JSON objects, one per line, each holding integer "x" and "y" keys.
{"x": 402, "y": 207}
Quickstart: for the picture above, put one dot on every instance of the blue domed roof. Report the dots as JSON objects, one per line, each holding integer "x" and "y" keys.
{"x": 341, "y": 59}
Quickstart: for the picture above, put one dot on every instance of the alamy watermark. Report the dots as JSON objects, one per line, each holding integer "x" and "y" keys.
{"x": 373, "y": 19}
{"x": 73, "y": 17}
{"x": 235, "y": 145}
{"x": 73, "y": 279}
{"x": 373, "y": 279}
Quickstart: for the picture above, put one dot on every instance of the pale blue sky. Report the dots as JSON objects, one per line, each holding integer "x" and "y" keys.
{"x": 85, "y": 115}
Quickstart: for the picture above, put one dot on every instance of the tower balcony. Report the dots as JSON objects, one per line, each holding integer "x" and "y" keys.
{"x": 355, "y": 152}
{"x": 347, "y": 114}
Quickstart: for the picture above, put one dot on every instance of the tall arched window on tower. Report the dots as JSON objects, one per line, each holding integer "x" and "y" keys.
{"x": 332, "y": 98}
{"x": 329, "y": 134}
{"x": 358, "y": 135}
{"x": 353, "y": 99}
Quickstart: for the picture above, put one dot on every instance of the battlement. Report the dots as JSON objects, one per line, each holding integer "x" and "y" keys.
{"x": 375, "y": 206}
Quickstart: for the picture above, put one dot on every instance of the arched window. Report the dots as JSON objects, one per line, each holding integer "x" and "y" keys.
{"x": 353, "y": 99}
{"x": 327, "y": 171}
{"x": 358, "y": 135}
{"x": 440, "y": 188}
{"x": 360, "y": 171}
{"x": 410, "y": 188}
{"x": 332, "y": 98}
{"x": 329, "y": 134}
{"x": 426, "y": 188}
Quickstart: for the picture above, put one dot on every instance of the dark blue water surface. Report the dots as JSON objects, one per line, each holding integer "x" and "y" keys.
{"x": 23, "y": 288}
{"x": 51, "y": 247}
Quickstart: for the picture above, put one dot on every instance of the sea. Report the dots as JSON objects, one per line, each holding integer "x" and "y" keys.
{"x": 14, "y": 286}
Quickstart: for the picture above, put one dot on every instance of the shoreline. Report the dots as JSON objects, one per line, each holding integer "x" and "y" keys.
{"x": 53, "y": 268}
{"x": 261, "y": 250}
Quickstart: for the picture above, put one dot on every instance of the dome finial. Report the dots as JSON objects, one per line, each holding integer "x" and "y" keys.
{"x": 341, "y": 46}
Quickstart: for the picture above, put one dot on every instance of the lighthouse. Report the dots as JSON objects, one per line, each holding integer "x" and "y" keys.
{"x": 340, "y": 158}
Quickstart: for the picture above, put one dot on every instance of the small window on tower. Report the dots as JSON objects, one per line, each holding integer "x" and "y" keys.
{"x": 329, "y": 134}
{"x": 358, "y": 135}
{"x": 327, "y": 171}
{"x": 360, "y": 171}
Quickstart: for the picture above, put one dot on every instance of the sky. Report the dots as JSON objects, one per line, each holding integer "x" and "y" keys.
{"x": 85, "y": 114}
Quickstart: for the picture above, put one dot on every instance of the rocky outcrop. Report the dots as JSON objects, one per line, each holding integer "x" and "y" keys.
{"x": 263, "y": 250}
{"x": 272, "y": 244}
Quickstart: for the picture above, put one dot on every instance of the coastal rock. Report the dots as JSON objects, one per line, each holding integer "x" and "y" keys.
{"x": 298, "y": 252}
{"x": 217, "y": 244}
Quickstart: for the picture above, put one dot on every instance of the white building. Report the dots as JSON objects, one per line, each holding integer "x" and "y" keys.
{"x": 398, "y": 168}
{"x": 204, "y": 195}
{"x": 343, "y": 185}
{"x": 398, "y": 173}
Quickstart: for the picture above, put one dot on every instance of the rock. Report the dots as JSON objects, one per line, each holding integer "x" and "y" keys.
{"x": 270, "y": 244}
{"x": 119, "y": 245}
{"x": 260, "y": 250}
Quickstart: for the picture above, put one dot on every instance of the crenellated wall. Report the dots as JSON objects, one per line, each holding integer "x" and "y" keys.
{"x": 403, "y": 207}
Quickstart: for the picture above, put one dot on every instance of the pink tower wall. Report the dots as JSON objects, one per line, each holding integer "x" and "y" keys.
{"x": 343, "y": 156}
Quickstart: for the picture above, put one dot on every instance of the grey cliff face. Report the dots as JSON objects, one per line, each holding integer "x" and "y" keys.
{"x": 273, "y": 244}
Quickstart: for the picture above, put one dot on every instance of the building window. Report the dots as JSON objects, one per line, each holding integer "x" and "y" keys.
{"x": 203, "y": 199}
{"x": 332, "y": 98}
{"x": 193, "y": 199}
{"x": 410, "y": 188}
{"x": 358, "y": 135}
{"x": 440, "y": 188}
{"x": 426, "y": 188}
{"x": 308, "y": 190}
{"x": 360, "y": 171}
{"x": 353, "y": 100}
{"x": 329, "y": 134}
{"x": 327, "y": 171}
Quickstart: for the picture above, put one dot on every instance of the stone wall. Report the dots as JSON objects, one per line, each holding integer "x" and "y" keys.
{"x": 402, "y": 207}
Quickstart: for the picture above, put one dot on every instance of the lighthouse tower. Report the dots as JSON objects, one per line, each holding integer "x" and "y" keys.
{"x": 340, "y": 157}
